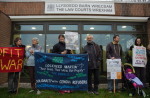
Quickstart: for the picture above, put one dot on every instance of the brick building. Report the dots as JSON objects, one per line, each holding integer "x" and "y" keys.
{"x": 35, "y": 18}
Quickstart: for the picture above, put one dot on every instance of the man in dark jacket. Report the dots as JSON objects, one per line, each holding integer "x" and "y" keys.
{"x": 94, "y": 53}
{"x": 113, "y": 51}
{"x": 13, "y": 77}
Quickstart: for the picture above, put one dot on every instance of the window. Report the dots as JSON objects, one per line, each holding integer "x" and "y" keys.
{"x": 97, "y": 28}
{"x": 63, "y": 27}
{"x": 28, "y": 27}
{"x": 130, "y": 28}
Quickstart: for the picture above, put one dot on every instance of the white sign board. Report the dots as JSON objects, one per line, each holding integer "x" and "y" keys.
{"x": 114, "y": 69}
{"x": 71, "y": 40}
{"x": 139, "y": 56}
{"x": 80, "y": 8}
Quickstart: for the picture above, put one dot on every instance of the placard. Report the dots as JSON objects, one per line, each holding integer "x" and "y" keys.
{"x": 114, "y": 69}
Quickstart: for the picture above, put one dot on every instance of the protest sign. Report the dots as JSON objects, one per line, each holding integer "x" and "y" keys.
{"x": 139, "y": 56}
{"x": 61, "y": 72}
{"x": 11, "y": 59}
{"x": 114, "y": 69}
{"x": 71, "y": 39}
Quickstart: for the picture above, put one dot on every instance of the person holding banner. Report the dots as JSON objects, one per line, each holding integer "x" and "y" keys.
{"x": 60, "y": 48}
{"x": 13, "y": 77}
{"x": 94, "y": 53}
{"x": 31, "y": 63}
{"x": 113, "y": 51}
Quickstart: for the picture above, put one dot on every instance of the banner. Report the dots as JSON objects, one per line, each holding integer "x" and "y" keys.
{"x": 114, "y": 69}
{"x": 61, "y": 72}
{"x": 139, "y": 56}
{"x": 80, "y": 8}
{"x": 72, "y": 41}
{"x": 11, "y": 59}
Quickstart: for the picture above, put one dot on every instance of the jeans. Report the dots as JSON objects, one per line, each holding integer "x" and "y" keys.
{"x": 111, "y": 84}
{"x": 13, "y": 81}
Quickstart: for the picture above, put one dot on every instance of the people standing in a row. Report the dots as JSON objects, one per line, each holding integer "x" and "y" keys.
{"x": 94, "y": 53}
{"x": 13, "y": 77}
{"x": 113, "y": 51}
{"x": 31, "y": 63}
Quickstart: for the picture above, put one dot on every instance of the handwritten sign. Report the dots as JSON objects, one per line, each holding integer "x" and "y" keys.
{"x": 72, "y": 41}
{"x": 11, "y": 59}
{"x": 139, "y": 56}
{"x": 61, "y": 72}
{"x": 114, "y": 69}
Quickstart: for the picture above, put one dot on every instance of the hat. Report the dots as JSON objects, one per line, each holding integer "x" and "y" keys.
{"x": 129, "y": 70}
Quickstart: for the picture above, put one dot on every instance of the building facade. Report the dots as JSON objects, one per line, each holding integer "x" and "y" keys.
{"x": 46, "y": 19}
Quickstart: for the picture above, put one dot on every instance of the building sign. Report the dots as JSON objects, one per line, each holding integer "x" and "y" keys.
{"x": 11, "y": 59}
{"x": 72, "y": 41}
{"x": 61, "y": 72}
{"x": 132, "y": 1}
{"x": 114, "y": 69}
{"x": 80, "y": 8}
{"x": 139, "y": 56}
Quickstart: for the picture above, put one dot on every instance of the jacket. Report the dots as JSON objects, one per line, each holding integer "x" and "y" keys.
{"x": 30, "y": 57}
{"x": 94, "y": 52}
{"x": 113, "y": 50}
{"x": 60, "y": 47}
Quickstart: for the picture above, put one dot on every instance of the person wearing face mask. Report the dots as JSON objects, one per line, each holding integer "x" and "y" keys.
{"x": 94, "y": 53}
{"x": 31, "y": 63}
{"x": 140, "y": 71}
{"x": 13, "y": 77}
{"x": 113, "y": 51}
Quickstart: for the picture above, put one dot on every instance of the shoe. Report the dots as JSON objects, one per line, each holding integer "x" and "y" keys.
{"x": 38, "y": 92}
{"x": 90, "y": 92}
{"x": 110, "y": 91}
{"x": 15, "y": 92}
{"x": 10, "y": 92}
{"x": 96, "y": 92}
{"x": 61, "y": 92}
{"x": 118, "y": 91}
{"x": 31, "y": 91}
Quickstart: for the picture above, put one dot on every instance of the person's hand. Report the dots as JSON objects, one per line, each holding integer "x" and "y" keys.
{"x": 112, "y": 58}
{"x": 64, "y": 52}
{"x": 31, "y": 51}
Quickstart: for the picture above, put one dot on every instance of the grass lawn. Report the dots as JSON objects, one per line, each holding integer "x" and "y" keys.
{"x": 23, "y": 93}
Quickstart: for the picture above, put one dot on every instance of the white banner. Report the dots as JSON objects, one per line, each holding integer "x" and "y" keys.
{"x": 71, "y": 40}
{"x": 139, "y": 56}
{"x": 114, "y": 69}
{"x": 80, "y": 8}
